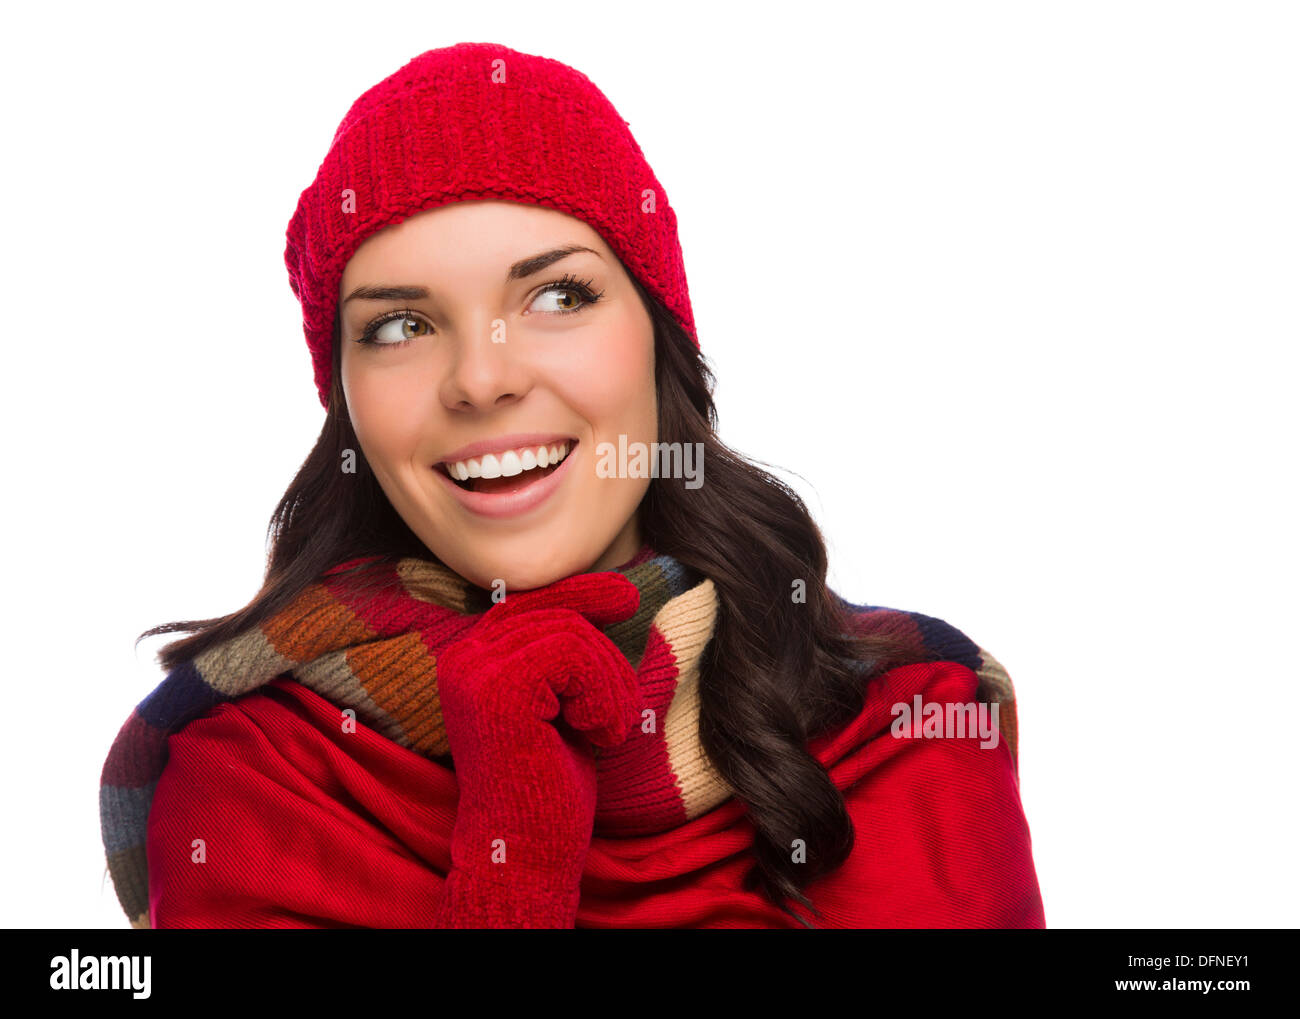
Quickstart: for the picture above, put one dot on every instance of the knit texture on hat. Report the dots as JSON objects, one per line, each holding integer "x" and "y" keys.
{"x": 478, "y": 121}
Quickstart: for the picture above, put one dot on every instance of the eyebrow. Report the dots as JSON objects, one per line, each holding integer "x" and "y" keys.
{"x": 520, "y": 270}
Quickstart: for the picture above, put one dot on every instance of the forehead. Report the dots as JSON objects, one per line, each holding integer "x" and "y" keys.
{"x": 483, "y": 232}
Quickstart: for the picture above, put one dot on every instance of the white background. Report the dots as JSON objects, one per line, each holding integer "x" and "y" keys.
{"x": 1011, "y": 286}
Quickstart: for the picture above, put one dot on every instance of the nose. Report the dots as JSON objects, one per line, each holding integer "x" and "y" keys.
{"x": 485, "y": 371}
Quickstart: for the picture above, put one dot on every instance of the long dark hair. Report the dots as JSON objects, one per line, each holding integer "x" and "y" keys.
{"x": 761, "y": 699}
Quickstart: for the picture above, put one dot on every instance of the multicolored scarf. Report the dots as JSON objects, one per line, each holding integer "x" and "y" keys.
{"x": 377, "y": 656}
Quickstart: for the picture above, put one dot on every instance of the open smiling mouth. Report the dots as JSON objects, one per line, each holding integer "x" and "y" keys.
{"x": 509, "y": 472}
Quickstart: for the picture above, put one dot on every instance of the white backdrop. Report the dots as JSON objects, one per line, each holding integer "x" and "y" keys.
{"x": 1010, "y": 286}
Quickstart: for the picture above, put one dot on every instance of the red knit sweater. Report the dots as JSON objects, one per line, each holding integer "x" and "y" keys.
{"x": 300, "y": 828}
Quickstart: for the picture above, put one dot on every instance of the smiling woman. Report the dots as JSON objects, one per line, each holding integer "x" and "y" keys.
{"x": 529, "y": 339}
{"x": 488, "y": 681}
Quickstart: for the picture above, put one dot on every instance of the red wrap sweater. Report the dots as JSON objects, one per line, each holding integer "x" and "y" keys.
{"x": 304, "y": 827}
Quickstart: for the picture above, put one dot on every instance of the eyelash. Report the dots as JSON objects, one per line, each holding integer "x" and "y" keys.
{"x": 568, "y": 282}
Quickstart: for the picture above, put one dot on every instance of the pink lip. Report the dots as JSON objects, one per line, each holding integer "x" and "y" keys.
{"x": 508, "y": 504}
{"x": 505, "y": 442}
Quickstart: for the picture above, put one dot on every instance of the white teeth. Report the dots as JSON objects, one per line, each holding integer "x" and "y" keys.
{"x": 509, "y": 463}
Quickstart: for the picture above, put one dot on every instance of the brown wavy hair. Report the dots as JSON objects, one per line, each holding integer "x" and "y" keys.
{"x": 761, "y": 699}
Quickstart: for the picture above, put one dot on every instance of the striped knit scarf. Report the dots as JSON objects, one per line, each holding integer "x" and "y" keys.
{"x": 377, "y": 656}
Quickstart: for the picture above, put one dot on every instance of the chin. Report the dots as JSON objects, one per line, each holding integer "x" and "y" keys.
{"x": 519, "y": 573}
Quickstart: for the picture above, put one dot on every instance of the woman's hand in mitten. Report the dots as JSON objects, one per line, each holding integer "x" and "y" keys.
{"x": 527, "y": 790}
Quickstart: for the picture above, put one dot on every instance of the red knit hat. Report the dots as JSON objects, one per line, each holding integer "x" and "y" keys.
{"x": 478, "y": 121}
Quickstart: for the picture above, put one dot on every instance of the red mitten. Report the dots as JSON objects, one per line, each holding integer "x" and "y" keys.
{"x": 527, "y": 790}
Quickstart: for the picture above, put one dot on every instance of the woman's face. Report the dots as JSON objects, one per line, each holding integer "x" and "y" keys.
{"x": 497, "y": 347}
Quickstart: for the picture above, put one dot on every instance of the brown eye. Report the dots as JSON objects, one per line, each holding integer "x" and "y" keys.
{"x": 566, "y": 296}
{"x": 394, "y": 331}
{"x": 567, "y": 299}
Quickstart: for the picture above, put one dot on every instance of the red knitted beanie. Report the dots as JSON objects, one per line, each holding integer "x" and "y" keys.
{"x": 478, "y": 121}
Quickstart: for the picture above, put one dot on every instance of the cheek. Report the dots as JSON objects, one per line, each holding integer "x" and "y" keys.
{"x": 611, "y": 383}
{"x": 386, "y": 432}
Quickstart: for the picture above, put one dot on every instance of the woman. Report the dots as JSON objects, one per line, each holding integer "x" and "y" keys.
{"x": 534, "y": 648}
